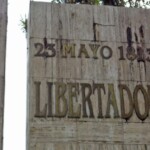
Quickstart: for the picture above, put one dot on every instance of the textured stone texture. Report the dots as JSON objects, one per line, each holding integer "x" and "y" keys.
{"x": 3, "y": 25}
{"x": 105, "y": 27}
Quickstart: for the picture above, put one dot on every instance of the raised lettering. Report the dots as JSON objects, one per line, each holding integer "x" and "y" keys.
{"x": 94, "y": 49}
{"x": 39, "y": 48}
{"x": 148, "y": 86}
{"x": 73, "y": 89}
{"x": 50, "y": 47}
{"x": 44, "y": 53}
{"x": 111, "y": 101}
{"x": 83, "y": 51}
{"x": 86, "y": 94}
{"x": 123, "y": 88}
{"x": 108, "y": 52}
{"x": 136, "y": 104}
{"x": 61, "y": 102}
{"x": 99, "y": 88}
{"x": 39, "y": 113}
{"x": 121, "y": 53}
{"x": 68, "y": 48}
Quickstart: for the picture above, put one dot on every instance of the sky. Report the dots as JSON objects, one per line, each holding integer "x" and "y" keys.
{"x": 15, "y": 79}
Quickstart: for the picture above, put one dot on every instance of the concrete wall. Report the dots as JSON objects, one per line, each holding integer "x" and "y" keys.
{"x": 88, "y": 78}
{"x": 3, "y": 25}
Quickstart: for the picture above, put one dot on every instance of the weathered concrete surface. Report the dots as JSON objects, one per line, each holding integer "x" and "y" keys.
{"x": 3, "y": 25}
{"x": 88, "y": 78}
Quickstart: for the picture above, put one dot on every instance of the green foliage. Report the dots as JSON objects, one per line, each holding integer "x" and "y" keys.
{"x": 123, "y": 3}
{"x": 96, "y": 2}
{"x": 92, "y": 2}
{"x": 58, "y": 1}
{"x": 137, "y": 3}
{"x": 23, "y": 24}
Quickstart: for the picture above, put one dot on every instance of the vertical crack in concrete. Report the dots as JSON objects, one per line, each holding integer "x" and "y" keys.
{"x": 136, "y": 38}
{"x": 129, "y": 36}
{"x": 94, "y": 31}
{"x": 141, "y": 31}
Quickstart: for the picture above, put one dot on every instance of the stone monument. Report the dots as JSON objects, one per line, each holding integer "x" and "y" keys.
{"x": 88, "y": 78}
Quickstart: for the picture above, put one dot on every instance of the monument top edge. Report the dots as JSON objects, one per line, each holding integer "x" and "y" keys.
{"x": 83, "y": 5}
